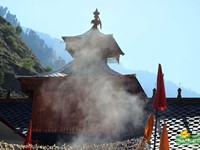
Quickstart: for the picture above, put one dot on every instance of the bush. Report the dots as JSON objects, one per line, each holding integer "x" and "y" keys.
{"x": 11, "y": 42}
{"x": 47, "y": 69}
{"x": 8, "y": 30}
{"x": 28, "y": 64}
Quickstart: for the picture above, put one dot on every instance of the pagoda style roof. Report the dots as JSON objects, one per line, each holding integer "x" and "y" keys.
{"x": 93, "y": 41}
{"x": 98, "y": 68}
{"x": 72, "y": 69}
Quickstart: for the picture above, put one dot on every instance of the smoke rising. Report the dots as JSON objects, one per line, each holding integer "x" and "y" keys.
{"x": 93, "y": 100}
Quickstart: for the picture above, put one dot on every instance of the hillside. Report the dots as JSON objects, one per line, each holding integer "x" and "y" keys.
{"x": 56, "y": 44}
{"x": 15, "y": 57}
{"x": 46, "y": 54}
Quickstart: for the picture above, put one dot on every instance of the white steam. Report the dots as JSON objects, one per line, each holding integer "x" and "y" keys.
{"x": 92, "y": 98}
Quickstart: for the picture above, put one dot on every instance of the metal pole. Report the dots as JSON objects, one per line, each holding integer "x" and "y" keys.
{"x": 155, "y": 130}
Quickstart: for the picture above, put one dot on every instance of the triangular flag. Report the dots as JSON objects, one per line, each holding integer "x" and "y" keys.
{"x": 147, "y": 132}
{"x": 164, "y": 142}
{"x": 149, "y": 127}
{"x": 159, "y": 102}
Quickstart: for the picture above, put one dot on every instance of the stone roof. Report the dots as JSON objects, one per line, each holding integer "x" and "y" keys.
{"x": 16, "y": 114}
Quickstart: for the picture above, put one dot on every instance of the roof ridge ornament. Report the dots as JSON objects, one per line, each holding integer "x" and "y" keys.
{"x": 96, "y": 21}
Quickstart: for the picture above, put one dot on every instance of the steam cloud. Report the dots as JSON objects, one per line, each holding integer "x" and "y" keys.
{"x": 101, "y": 103}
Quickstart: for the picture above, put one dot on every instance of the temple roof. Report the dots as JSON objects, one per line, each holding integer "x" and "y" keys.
{"x": 93, "y": 41}
{"x": 75, "y": 68}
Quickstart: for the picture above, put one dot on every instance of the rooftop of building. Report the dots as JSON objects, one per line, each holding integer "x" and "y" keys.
{"x": 180, "y": 113}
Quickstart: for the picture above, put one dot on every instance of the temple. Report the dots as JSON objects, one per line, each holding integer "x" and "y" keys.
{"x": 67, "y": 101}
{"x": 86, "y": 97}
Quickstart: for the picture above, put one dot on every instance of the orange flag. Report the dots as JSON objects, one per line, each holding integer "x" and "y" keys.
{"x": 147, "y": 132}
{"x": 149, "y": 127}
{"x": 164, "y": 143}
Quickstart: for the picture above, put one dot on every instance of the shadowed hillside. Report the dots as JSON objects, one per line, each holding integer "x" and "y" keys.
{"x": 56, "y": 44}
{"x": 15, "y": 57}
{"x": 47, "y": 55}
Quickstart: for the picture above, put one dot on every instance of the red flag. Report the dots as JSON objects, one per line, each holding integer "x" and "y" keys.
{"x": 28, "y": 138}
{"x": 160, "y": 102}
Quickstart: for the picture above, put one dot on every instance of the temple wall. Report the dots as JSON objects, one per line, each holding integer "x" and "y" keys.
{"x": 59, "y": 104}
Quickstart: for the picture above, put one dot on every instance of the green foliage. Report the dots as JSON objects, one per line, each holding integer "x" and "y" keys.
{"x": 28, "y": 64}
{"x": 12, "y": 19}
{"x": 12, "y": 42}
{"x": 45, "y": 54}
{"x": 15, "y": 56}
{"x": 8, "y": 30}
{"x": 47, "y": 69}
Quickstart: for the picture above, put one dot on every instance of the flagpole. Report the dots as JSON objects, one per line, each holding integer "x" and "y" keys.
{"x": 156, "y": 112}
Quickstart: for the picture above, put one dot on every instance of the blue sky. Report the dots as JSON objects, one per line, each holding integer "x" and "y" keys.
{"x": 148, "y": 31}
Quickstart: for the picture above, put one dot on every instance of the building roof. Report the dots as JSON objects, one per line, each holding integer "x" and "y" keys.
{"x": 76, "y": 68}
{"x": 30, "y": 83}
{"x": 16, "y": 114}
{"x": 93, "y": 42}
{"x": 180, "y": 113}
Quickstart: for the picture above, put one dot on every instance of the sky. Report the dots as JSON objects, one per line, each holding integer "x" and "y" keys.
{"x": 148, "y": 31}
